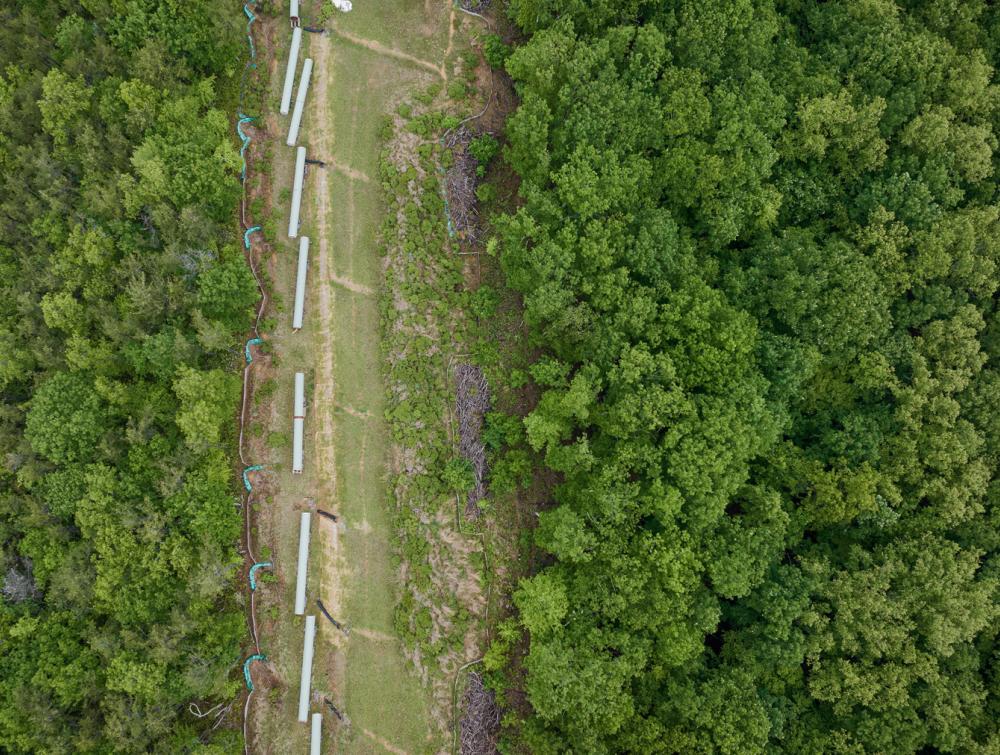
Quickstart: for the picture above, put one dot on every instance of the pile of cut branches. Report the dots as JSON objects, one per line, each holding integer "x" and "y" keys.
{"x": 480, "y": 726}
{"x": 460, "y": 185}
{"x": 472, "y": 401}
{"x": 476, "y": 6}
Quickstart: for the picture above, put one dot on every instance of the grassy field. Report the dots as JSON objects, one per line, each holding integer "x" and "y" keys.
{"x": 370, "y": 58}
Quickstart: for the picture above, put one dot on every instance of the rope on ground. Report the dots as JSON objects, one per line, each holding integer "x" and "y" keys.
{"x": 195, "y": 710}
{"x": 246, "y": 143}
{"x": 489, "y": 99}
{"x": 246, "y": 716}
{"x": 222, "y": 716}
{"x": 253, "y": 619}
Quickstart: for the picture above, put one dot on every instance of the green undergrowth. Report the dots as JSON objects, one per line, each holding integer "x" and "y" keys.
{"x": 427, "y": 330}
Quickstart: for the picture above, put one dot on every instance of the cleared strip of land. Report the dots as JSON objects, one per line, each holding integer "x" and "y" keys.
{"x": 364, "y": 673}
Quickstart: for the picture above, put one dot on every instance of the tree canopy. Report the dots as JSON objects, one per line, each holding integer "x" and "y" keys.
{"x": 124, "y": 290}
{"x": 758, "y": 247}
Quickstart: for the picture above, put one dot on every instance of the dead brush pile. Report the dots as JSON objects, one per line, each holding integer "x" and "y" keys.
{"x": 472, "y": 401}
{"x": 476, "y": 6}
{"x": 480, "y": 727}
{"x": 460, "y": 186}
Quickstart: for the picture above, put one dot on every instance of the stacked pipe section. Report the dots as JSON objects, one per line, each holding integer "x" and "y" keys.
{"x": 298, "y": 422}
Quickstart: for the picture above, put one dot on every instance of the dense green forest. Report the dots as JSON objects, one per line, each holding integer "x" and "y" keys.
{"x": 758, "y": 246}
{"x": 123, "y": 291}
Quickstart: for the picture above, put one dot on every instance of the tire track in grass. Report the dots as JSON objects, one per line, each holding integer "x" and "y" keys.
{"x": 384, "y": 743}
{"x": 358, "y": 288}
{"x": 347, "y": 170}
{"x": 374, "y": 635}
{"x": 391, "y": 52}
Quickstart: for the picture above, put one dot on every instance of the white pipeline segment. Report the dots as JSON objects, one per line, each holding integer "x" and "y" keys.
{"x": 307, "y": 665}
{"x": 300, "y": 283}
{"x": 316, "y": 734}
{"x": 293, "y": 9}
{"x": 298, "y": 422}
{"x": 300, "y": 102}
{"x": 300, "y": 579}
{"x": 293, "y": 62}
{"x": 300, "y": 172}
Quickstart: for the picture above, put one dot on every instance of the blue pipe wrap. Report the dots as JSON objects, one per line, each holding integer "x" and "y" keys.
{"x": 246, "y": 235}
{"x": 253, "y": 572}
{"x": 246, "y": 668}
{"x": 246, "y": 349}
{"x": 246, "y": 480}
{"x": 246, "y": 142}
{"x": 252, "y": 18}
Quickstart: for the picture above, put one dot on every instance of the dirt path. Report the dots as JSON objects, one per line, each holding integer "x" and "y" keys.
{"x": 451, "y": 42}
